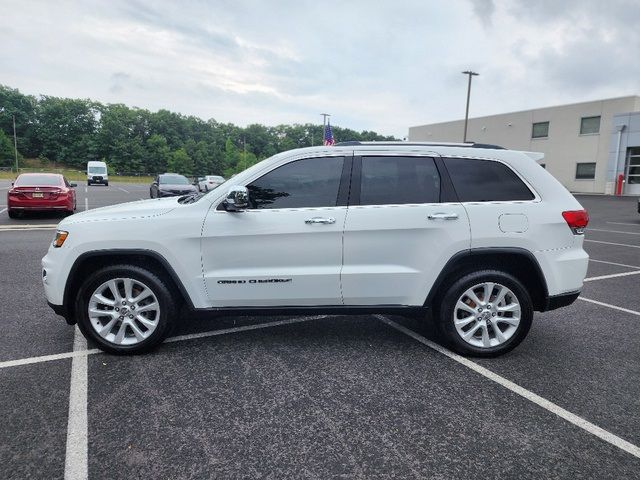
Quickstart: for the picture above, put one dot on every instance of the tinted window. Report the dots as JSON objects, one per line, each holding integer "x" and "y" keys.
{"x": 485, "y": 181}
{"x": 313, "y": 182}
{"x": 34, "y": 180}
{"x": 399, "y": 180}
{"x": 173, "y": 180}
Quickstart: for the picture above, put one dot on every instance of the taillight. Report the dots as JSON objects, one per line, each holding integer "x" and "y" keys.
{"x": 577, "y": 220}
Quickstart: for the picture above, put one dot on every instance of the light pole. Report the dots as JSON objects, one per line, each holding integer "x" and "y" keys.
{"x": 15, "y": 139}
{"x": 324, "y": 124}
{"x": 466, "y": 114}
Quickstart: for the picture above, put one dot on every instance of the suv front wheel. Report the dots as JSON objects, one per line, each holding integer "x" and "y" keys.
{"x": 125, "y": 309}
{"x": 485, "y": 313}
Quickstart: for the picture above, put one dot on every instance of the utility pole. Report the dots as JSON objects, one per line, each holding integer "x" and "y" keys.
{"x": 324, "y": 124}
{"x": 466, "y": 115}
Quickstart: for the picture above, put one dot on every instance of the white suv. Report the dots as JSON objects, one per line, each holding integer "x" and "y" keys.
{"x": 480, "y": 235}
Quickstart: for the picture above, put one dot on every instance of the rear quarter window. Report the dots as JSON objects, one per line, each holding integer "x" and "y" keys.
{"x": 486, "y": 181}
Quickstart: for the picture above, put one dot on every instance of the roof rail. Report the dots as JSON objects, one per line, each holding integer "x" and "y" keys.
{"x": 352, "y": 143}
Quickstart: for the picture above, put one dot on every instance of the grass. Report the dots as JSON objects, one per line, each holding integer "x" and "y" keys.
{"x": 76, "y": 175}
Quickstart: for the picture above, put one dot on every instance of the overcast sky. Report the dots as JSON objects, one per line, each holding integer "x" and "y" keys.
{"x": 373, "y": 64}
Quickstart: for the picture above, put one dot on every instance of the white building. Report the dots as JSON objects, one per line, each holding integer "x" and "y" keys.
{"x": 586, "y": 145}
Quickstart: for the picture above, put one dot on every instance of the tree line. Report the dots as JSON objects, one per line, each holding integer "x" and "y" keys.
{"x": 70, "y": 132}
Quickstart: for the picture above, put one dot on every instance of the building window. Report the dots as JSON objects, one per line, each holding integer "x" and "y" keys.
{"x": 585, "y": 171}
{"x": 589, "y": 125}
{"x": 540, "y": 130}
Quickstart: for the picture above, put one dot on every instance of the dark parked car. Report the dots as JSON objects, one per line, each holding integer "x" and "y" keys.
{"x": 171, "y": 185}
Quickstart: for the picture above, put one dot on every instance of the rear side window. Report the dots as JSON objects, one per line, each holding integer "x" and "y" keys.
{"x": 485, "y": 181}
{"x": 399, "y": 180}
{"x": 312, "y": 182}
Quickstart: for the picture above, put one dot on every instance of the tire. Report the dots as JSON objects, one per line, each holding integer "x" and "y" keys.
{"x": 12, "y": 213}
{"x": 88, "y": 183}
{"x": 150, "y": 193}
{"x": 495, "y": 327}
{"x": 121, "y": 340}
{"x": 106, "y": 184}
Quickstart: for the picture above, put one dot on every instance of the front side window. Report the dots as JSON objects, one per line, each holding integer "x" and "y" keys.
{"x": 399, "y": 180}
{"x": 589, "y": 125}
{"x": 308, "y": 183}
{"x": 540, "y": 130}
{"x": 485, "y": 181}
{"x": 585, "y": 171}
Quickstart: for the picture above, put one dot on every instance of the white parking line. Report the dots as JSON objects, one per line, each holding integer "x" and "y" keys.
{"x": 17, "y": 229}
{"x": 611, "y": 243}
{"x": 613, "y": 275}
{"x": 180, "y": 338}
{"x": 76, "y": 458}
{"x": 86, "y": 203}
{"x": 623, "y": 223}
{"x": 86, "y": 189}
{"x": 3, "y": 210}
{"x": 123, "y": 190}
{"x": 614, "y": 263}
{"x": 613, "y": 231}
{"x": 27, "y": 226}
{"x": 615, "y": 307}
{"x": 523, "y": 392}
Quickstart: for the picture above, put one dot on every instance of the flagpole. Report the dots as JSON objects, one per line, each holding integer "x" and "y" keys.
{"x": 324, "y": 125}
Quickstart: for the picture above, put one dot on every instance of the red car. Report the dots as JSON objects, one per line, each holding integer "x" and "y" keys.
{"x": 41, "y": 192}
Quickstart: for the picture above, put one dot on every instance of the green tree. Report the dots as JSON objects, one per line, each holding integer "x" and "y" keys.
{"x": 180, "y": 162}
{"x": 7, "y": 158}
{"x": 157, "y": 154}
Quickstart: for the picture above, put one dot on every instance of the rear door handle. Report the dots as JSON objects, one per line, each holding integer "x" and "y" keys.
{"x": 319, "y": 220}
{"x": 443, "y": 216}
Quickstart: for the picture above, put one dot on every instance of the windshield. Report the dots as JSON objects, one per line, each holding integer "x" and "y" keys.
{"x": 97, "y": 170}
{"x": 45, "y": 180}
{"x": 174, "y": 180}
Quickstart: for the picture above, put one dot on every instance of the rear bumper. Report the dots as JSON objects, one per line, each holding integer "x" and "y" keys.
{"x": 558, "y": 301}
{"x": 29, "y": 204}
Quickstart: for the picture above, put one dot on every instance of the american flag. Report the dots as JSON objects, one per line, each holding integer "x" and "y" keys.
{"x": 328, "y": 135}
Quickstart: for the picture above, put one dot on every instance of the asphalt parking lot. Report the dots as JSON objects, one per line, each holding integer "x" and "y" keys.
{"x": 326, "y": 396}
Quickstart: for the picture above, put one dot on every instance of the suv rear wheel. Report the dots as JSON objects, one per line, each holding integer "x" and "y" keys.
{"x": 125, "y": 309}
{"x": 485, "y": 314}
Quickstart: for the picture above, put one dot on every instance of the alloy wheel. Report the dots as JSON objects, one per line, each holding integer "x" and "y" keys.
{"x": 124, "y": 311}
{"x": 487, "y": 315}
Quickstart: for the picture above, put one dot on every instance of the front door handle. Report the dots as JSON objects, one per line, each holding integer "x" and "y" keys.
{"x": 443, "y": 216}
{"x": 319, "y": 220}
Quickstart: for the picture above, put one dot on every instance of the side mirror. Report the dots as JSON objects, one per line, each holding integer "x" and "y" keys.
{"x": 73, "y": 184}
{"x": 237, "y": 199}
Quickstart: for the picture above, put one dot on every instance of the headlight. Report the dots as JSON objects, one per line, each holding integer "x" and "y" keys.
{"x": 61, "y": 236}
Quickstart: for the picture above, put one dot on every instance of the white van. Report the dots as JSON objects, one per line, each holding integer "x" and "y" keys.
{"x": 97, "y": 173}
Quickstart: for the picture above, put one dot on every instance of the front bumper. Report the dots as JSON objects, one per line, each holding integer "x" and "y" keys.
{"x": 168, "y": 193}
